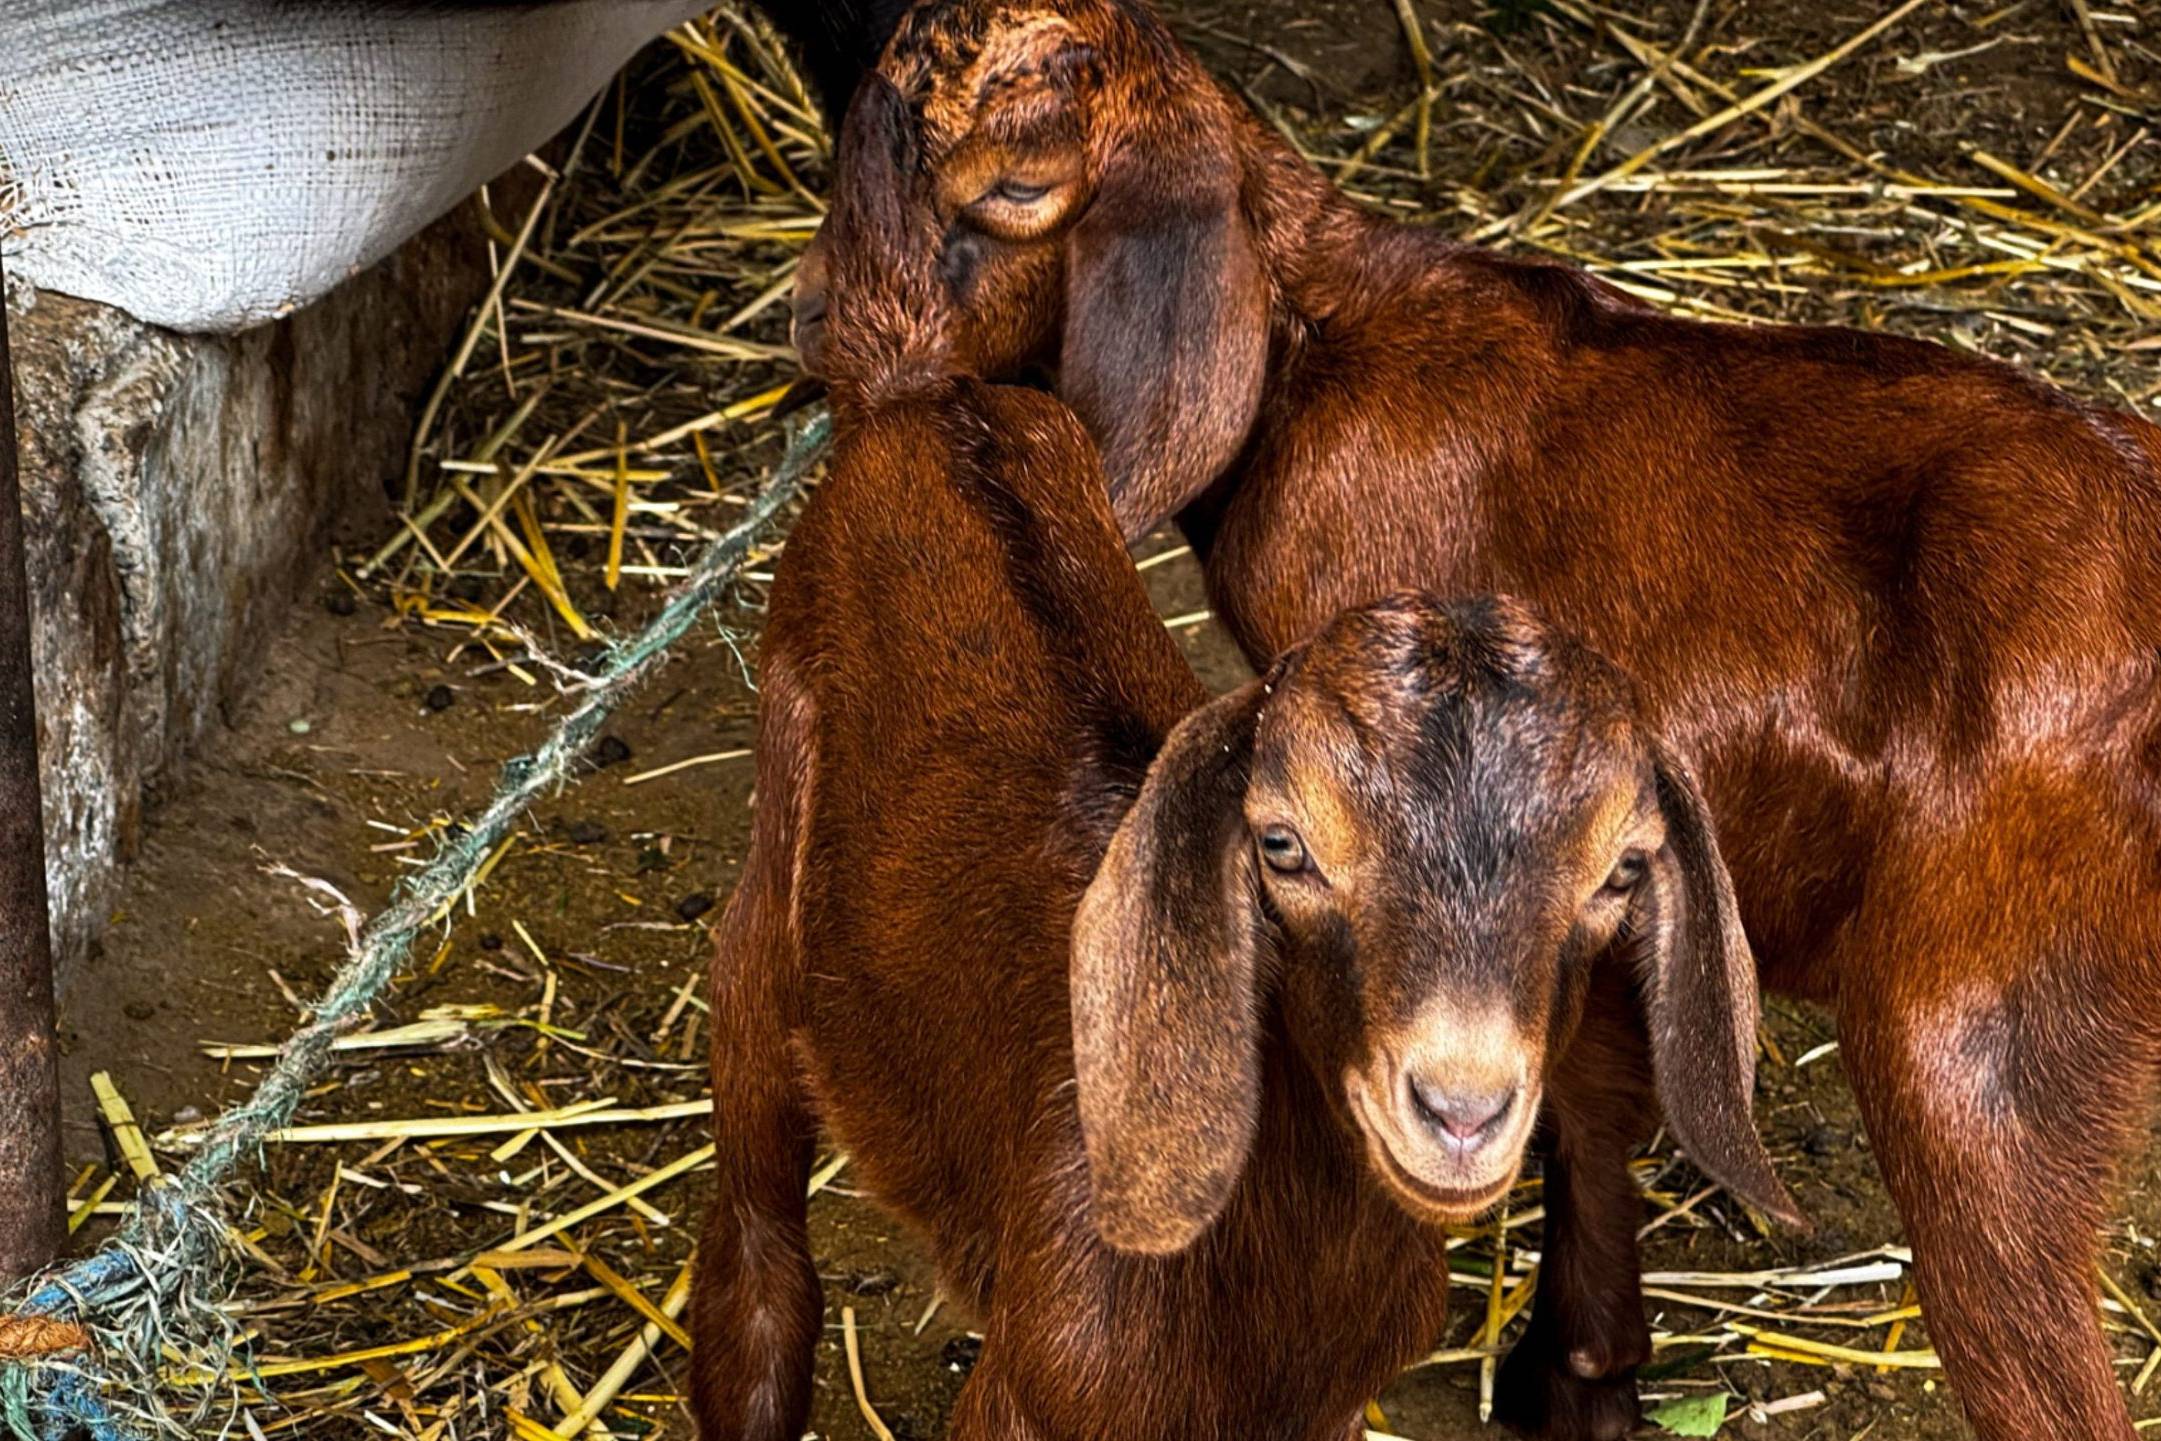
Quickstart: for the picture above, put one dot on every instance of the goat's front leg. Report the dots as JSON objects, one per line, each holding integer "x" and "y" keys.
{"x": 1572, "y": 1376}
{"x": 756, "y": 1306}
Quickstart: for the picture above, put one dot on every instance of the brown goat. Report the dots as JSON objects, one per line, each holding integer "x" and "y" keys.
{"x": 1177, "y": 1026}
{"x": 1899, "y": 607}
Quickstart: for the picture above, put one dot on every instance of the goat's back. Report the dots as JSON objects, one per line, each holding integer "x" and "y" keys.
{"x": 1850, "y": 573}
{"x": 986, "y": 683}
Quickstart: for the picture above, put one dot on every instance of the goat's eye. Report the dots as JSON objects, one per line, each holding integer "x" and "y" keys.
{"x": 1018, "y": 192}
{"x": 1283, "y": 850}
{"x": 1627, "y": 874}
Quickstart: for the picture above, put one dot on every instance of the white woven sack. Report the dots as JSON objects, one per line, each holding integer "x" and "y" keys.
{"x": 208, "y": 164}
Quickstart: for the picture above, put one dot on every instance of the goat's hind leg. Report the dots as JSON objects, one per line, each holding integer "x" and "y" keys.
{"x": 757, "y": 1306}
{"x": 1996, "y": 1024}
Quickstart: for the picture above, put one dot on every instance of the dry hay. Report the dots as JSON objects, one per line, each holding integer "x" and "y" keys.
{"x": 510, "y": 1258}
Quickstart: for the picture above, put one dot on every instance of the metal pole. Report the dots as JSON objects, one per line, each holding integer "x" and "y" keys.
{"x": 31, "y": 1222}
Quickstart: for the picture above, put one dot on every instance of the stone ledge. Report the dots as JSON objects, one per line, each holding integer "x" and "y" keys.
{"x": 179, "y": 492}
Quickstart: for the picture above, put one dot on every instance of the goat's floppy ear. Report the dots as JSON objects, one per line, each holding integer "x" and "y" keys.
{"x": 885, "y": 321}
{"x": 1702, "y": 992}
{"x": 1165, "y": 1015}
{"x": 1166, "y": 324}
{"x": 878, "y": 186}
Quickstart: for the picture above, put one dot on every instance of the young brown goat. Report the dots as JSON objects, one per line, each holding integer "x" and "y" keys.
{"x": 1176, "y": 1026}
{"x": 1900, "y": 607}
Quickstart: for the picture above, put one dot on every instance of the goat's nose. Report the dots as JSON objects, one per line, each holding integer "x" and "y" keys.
{"x": 1468, "y": 1120}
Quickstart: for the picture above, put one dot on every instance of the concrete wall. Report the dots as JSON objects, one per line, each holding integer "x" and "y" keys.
{"x": 178, "y": 494}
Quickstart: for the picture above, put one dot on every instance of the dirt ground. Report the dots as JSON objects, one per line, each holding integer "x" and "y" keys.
{"x": 362, "y": 732}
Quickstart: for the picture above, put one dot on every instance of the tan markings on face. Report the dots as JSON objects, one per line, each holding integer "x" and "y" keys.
{"x": 1615, "y": 825}
{"x": 1465, "y": 1049}
{"x": 1314, "y": 750}
{"x": 964, "y": 174}
{"x": 1441, "y": 1206}
{"x": 1324, "y": 819}
{"x": 1454, "y": 1052}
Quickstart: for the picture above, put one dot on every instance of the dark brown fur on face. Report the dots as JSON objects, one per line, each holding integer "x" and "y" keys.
{"x": 1018, "y": 926}
{"x": 1897, "y": 607}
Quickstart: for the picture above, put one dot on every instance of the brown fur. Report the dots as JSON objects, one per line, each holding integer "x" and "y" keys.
{"x": 1898, "y": 607}
{"x": 1007, "y": 931}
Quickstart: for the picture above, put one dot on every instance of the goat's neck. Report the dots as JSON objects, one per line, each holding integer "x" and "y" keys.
{"x": 1318, "y": 247}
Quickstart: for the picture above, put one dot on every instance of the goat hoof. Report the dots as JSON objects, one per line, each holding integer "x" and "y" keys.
{"x": 1542, "y": 1392}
